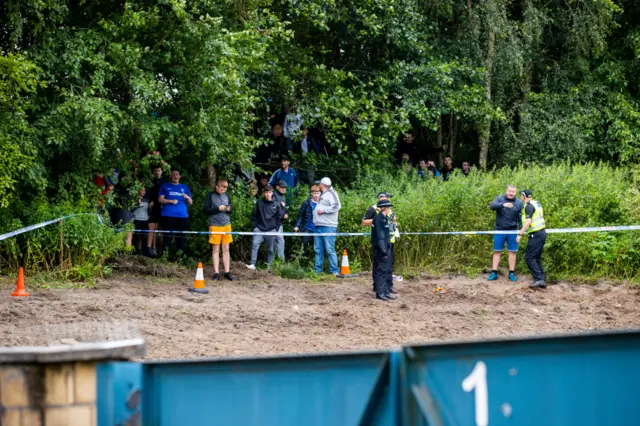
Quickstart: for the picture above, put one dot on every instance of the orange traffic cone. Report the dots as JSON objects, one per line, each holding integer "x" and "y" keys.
{"x": 345, "y": 269}
{"x": 20, "y": 291}
{"x": 198, "y": 283}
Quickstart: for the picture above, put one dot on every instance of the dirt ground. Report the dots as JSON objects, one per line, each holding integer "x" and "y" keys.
{"x": 261, "y": 314}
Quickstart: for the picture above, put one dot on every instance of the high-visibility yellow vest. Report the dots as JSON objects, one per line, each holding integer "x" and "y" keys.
{"x": 537, "y": 220}
{"x": 394, "y": 228}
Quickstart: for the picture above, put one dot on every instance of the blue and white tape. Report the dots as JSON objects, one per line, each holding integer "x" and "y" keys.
{"x": 43, "y": 224}
{"x": 366, "y": 234}
{"x": 322, "y": 234}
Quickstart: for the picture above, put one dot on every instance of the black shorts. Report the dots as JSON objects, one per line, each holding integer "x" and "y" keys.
{"x": 154, "y": 216}
{"x": 141, "y": 225}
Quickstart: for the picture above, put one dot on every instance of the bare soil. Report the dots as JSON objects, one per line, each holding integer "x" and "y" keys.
{"x": 261, "y": 314}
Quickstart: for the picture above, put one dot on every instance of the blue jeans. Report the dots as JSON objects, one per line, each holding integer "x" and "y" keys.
{"x": 328, "y": 245}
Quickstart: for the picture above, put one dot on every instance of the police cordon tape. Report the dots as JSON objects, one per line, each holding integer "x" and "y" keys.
{"x": 319, "y": 234}
{"x": 366, "y": 234}
{"x": 43, "y": 224}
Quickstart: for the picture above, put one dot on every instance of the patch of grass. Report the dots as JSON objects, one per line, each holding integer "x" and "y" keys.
{"x": 140, "y": 265}
{"x": 83, "y": 276}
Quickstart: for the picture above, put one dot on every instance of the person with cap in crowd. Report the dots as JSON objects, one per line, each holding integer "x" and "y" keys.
{"x": 381, "y": 242}
{"x": 367, "y": 220}
{"x": 325, "y": 220}
{"x": 533, "y": 225}
{"x": 279, "y": 196}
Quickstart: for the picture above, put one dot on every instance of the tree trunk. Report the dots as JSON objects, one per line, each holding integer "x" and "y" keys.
{"x": 439, "y": 143}
{"x": 453, "y": 133}
{"x": 211, "y": 176}
{"x": 485, "y": 126}
{"x": 469, "y": 10}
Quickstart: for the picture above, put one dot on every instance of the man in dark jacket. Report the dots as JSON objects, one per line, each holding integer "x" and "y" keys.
{"x": 305, "y": 218}
{"x": 447, "y": 170}
{"x": 218, "y": 206}
{"x": 155, "y": 208}
{"x": 508, "y": 210}
{"x": 267, "y": 216}
{"x": 280, "y": 196}
{"x": 381, "y": 241}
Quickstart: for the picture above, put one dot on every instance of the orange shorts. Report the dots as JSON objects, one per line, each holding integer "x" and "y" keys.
{"x": 217, "y": 239}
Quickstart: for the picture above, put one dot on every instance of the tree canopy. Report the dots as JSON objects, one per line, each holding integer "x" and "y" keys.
{"x": 87, "y": 86}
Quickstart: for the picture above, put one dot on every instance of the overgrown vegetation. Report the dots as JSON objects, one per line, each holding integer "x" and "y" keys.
{"x": 573, "y": 195}
{"x": 86, "y": 87}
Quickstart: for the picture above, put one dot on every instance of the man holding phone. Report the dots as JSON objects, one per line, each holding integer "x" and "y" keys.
{"x": 218, "y": 206}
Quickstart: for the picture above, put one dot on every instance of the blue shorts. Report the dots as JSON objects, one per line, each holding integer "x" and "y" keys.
{"x": 499, "y": 240}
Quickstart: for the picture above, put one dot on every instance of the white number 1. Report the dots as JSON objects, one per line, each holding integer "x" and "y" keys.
{"x": 478, "y": 380}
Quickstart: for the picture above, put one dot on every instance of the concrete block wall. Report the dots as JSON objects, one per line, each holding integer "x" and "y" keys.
{"x": 62, "y": 394}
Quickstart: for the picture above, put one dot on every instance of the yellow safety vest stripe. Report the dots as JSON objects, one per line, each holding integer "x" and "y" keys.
{"x": 537, "y": 220}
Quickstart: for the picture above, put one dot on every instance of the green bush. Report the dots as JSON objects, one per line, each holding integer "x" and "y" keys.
{"x": 572, "y": 196}
{"x": 87, "y": 241}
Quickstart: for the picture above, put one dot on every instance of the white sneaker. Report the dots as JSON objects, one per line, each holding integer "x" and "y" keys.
{"x": 252, "y": 267}
{"x": 397, "y": 277}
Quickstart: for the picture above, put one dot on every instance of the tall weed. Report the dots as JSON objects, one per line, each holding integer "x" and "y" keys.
{"x": 572, "y": 195}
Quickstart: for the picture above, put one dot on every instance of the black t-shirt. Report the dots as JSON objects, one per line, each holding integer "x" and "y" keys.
{"x": 529, "y": 210}
{"x": 370, "y": 214}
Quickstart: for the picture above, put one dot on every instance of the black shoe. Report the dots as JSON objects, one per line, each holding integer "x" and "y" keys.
{"x": 393, "y": 291}
{"x": 390, "y": 297}
{"x": 538, "y": 284}
{"x": 382, "y": 297}
{"x": 229, "y": 277}
{"x": 216, "y": 277}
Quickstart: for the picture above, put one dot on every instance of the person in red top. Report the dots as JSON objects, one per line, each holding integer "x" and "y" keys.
{"x": 106, "y": 186}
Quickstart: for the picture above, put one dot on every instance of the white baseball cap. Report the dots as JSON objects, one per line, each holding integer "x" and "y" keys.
{"x": 325, "y": 181}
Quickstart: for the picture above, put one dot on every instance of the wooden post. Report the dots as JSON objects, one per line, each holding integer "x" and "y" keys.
{"x": 61, "y": 247}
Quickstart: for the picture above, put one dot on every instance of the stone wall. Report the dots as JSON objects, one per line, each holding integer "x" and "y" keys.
{"x": 58, "y": 394}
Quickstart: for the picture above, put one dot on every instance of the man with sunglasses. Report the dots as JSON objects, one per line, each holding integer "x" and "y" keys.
{"x": 218, "y": 206}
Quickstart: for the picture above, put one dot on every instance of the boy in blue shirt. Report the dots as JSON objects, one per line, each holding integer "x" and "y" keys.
{"x": 305, "y": 218}
{"x": 174, "y": 198}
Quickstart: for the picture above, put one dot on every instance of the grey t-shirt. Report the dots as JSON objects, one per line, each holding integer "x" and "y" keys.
{"x": 212, "y": 207}
{"x": 141, "y": 212}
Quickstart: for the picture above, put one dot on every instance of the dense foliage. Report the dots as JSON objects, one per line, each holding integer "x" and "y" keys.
{"x": 86, "y": 87}
{"x": 572, "y": 196}
{"x": 497, "y": 81}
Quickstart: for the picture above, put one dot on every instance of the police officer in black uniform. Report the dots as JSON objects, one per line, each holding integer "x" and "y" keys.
{"x": 381, "y": 241}
{"x": 534, "y": 227}
{"x": 367, "y": 220}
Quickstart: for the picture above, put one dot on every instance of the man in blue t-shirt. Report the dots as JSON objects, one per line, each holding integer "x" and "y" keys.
{"x": 174, "y": 197}
{"x": 286, "y": 174}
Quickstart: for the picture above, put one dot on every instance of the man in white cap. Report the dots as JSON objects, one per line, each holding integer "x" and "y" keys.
{"x": 325, "y": 220}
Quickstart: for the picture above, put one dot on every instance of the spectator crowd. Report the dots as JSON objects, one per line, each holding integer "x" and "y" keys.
{"x": 165, "y": 206}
